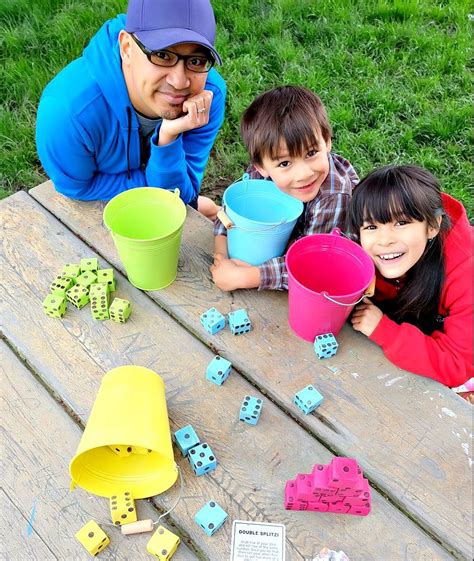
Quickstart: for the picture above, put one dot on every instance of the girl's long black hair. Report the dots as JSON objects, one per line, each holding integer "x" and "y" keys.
{"x": 392, "y": 193}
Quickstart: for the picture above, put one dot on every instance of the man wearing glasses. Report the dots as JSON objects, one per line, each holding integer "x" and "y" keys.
{"x": 141, "y": 106}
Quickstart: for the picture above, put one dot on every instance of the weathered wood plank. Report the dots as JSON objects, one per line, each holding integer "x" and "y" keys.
{"x": 412, "y": 435}
{"x": 16, "y": 542}
{"x": 72, "y": 354}
{"x": 39, "y": 438}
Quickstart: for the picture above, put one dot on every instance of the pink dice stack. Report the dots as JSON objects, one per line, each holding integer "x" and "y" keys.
{"x": 338, "y": 487}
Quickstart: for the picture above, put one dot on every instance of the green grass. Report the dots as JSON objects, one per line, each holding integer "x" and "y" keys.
{"x": 395, "y": 77}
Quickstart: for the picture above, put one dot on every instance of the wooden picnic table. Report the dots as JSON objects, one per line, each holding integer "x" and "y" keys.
{"x": 411, "y": 436}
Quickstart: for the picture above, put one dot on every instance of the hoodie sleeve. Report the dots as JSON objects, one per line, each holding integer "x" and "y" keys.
{"x": 68, "y": 157}
{"x": 181, "y": 163}
{"x": 445, "y": 355}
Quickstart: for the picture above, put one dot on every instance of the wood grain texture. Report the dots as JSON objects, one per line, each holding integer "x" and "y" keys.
{"x": 39, "y": 438}
{"x": 72, "y": 354}
{"x": 412, "y": 436}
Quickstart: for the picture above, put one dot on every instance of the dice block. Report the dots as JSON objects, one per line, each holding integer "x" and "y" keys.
{"x": 163, "y": 544}
{"x": 325, "y": 345}
{"x": 122, "y": 508}
{"x": 308, "y": 399}
{"x": 212, "y": 321}
{"x": 202, "y": 459}
{"x": 86, "y": 279}
{"x": 186, "y": 438}
{"x": 78, "y": 296}
{"x": 250, "y": 410}
{"x": 211, "y": 517}
{"x": 120, "y": 310}
{"x": 338, "y": 487}
{"x": 99, "y": 298}
{"x": 106, "y": 276}
{"x": 89, "y": 264}
{"x": 61, "y": 285}
{"x": 93, "y": 538}
{"x": 54, "y": 306}
{"x": 71, "y": 270}
{"x": 239, "y": 322}
{"x": 218, "y": 370}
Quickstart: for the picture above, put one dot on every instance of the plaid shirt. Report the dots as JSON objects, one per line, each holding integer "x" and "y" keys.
{"x": 325, "y": 212}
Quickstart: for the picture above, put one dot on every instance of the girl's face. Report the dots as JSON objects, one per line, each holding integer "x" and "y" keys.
{"x": 301, "y": 176}
{"x": 396, "y": 246}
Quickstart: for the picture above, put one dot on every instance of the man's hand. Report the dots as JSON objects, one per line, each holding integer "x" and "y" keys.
{"x": 196, "y": 111}
{"x": 366, "y": 317}
{"x": 232, "y": 274}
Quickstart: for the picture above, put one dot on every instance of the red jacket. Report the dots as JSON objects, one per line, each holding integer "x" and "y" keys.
{"x": 445, "y": 355}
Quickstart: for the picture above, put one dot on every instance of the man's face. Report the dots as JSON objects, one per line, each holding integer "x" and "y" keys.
{"x": 157, "y": 91}
{"x": 300, "y": 176}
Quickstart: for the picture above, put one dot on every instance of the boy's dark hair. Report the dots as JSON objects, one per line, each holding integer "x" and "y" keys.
{"x": 395, "y": 192}
{"x": 292, "y": 113}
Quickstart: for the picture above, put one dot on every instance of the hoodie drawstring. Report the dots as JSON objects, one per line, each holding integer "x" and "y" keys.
{"x": 129, "y": 135}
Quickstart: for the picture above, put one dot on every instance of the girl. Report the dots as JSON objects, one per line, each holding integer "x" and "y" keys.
{"x": 421, "y": 243}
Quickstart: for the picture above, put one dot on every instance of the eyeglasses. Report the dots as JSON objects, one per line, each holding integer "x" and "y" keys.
{"x": 195, "y": 63}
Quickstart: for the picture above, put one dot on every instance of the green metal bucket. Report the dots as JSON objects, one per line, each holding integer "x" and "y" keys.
{"x": 146, "y": 225}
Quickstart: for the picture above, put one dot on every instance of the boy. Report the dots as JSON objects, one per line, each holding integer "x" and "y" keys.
{"x": 288, "y": 137}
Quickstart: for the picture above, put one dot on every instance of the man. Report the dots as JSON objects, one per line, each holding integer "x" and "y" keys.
{"x": 141, "y": 106}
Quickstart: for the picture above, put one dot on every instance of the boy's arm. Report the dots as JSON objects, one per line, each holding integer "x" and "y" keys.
{"x": 232, "y": 274}
{"x": 220, "y": 246}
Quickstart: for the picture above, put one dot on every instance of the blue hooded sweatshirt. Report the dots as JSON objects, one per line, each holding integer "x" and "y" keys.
{"x": 87, "y": 130}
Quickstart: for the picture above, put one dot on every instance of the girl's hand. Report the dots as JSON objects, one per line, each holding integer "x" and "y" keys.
{"x": 232, "y": 274}
{"x": 366, "y": 317}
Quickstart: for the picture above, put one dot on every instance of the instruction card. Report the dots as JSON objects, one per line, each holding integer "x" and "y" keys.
{"x": 257, "y": 541}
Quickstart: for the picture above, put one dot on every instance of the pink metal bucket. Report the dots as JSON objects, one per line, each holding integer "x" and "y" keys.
{"x": 328, "y": 275}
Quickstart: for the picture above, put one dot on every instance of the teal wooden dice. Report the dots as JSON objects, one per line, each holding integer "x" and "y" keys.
{"x": 99, "y": 298}
{"x": 78, "y": 296}
{"x": 120, "y": 310}
{"x": 239, "y": 322}
{"x": 89, "y": 264}
{"x": 54, "y": 305}
{"x": 325, "y": 345}
{"x": 186, "y": 438}
{"x": 250, "y": 410}
{"x": 308, "y": 399}
{"x": 106, "y": 276}
{"x": 212, "y": 321}
{"x": 211, "y": 517}
{"x": 218, "y": 370}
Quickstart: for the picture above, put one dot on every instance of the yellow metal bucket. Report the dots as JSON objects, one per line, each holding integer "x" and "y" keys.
{"x": 126, "y": 445}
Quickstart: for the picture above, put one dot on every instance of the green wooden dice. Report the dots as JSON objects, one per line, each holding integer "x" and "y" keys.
{"x": 106, "y": 276}
{"x": 86, "y": 279}
{"x": 61, "y": 285}
{"x": 99, "y": 298}
{"x": 71, "y": 270}
{"x": 120, "y": 310}
{"x": 78, "y": 296}
{"x": 89, "y": 264}
{"x": 54, "y": 305}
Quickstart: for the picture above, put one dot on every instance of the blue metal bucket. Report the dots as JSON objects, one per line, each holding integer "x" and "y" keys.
{"x": 262, "y": 219}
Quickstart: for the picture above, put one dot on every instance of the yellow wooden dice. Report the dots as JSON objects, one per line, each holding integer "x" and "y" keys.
{"x": 93, "y": 538}
{"x": 122, "y": 508}
{"x": 163, "y": 544}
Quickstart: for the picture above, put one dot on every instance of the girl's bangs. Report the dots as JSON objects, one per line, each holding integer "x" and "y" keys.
{"x": 388, "y": 202}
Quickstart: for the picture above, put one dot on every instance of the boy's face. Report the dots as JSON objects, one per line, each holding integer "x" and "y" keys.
{"x": 302, "y": 176}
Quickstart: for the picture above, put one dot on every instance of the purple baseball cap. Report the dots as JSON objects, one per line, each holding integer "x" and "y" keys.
{"x": 158, "y": 24}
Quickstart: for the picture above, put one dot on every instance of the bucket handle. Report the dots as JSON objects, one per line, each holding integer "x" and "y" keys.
{"x": 367, "y": 294}
{"x": 228, "y": 224}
